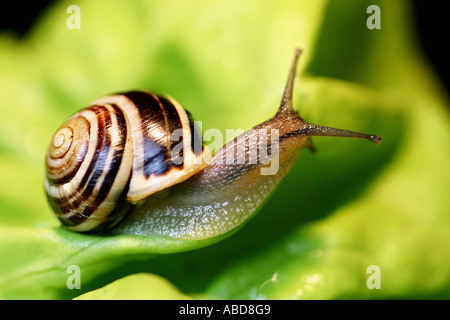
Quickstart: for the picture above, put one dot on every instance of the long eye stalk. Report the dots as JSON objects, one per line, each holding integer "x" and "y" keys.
{"x": 313, "y": 129}
{"x": 286, "y": 101}
{"x": 316, "y": 130}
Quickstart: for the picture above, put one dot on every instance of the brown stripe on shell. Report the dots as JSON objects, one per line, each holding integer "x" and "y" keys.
{"x": 122, "y": 207}
{"x": 159, "y": 120}
{"x": 173, "y": 124}
{"x": 72, "y": 203}
{"x": 82, "y": 205}
{"x": 114, "y": 217}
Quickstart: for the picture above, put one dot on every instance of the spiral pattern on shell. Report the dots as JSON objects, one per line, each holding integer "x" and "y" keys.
{"x": 117, "y": 151}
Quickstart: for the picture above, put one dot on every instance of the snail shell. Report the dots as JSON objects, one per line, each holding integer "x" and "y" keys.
{"x": 119, "y": 150}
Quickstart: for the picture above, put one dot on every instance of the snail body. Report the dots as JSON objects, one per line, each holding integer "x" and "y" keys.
{"x": 115, "y": 161}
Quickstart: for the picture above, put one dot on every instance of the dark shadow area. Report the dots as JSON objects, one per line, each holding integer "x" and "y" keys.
{"x": 19, "y": 17}
{"x": 432, "y": 30}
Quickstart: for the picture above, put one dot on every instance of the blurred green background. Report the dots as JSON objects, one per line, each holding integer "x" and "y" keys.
{"x": 350, "y": 206}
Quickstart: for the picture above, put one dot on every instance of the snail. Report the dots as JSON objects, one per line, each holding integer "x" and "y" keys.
{"x": 111, "y": 167}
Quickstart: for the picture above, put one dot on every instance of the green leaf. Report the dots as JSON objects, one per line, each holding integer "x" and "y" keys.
{"x": 139, "y": 286}
{"x": 350, "y": 206}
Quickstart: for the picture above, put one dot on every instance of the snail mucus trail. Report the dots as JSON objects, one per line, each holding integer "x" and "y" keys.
{"x": 185, "y": 202}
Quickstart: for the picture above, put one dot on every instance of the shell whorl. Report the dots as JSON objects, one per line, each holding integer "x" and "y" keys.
{"x": 116, "y": 152}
